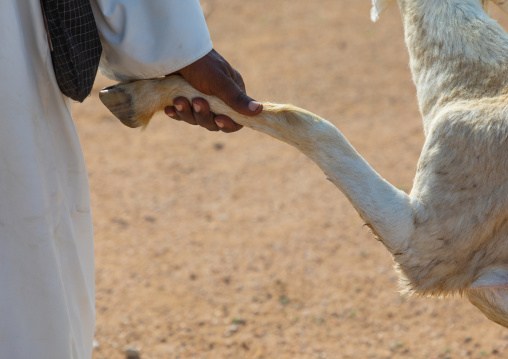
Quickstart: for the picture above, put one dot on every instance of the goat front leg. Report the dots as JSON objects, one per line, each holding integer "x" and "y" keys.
{"x": 388, "y": 211}
{"x": 136, "y": 102}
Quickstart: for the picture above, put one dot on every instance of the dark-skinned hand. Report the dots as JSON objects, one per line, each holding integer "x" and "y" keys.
{"x": 213, "y": 75}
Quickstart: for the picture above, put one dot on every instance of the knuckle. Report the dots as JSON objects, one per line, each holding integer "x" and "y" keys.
{"x": 240, "y": 98}
{"x": 209, "y": 126}
{"x": 207, "y": 122}
{"x": 239, "y": 80}
{"x": 190, "y": 120}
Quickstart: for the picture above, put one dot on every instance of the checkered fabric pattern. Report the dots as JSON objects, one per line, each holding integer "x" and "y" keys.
{"x": 75, "y": 45}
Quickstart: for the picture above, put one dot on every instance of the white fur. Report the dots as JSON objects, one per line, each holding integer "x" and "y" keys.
{"x": 379, "y": 6}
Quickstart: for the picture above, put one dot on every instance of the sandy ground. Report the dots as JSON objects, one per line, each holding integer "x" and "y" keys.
{"x": 235, "y": 246}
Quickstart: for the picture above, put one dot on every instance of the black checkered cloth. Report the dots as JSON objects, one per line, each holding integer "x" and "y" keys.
{"x": 75, "y": 45}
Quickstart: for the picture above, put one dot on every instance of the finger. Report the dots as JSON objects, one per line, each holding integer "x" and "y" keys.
{"x": 202, "y": 114}
{"x": 226, "y": 124}
{"x": 184, "y": 110}
{"x": 171, "y": 112}
{"x": 235, "y": 98}
{"x": 239, "y": 80}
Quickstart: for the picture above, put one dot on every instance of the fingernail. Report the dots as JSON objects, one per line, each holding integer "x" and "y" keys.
{"x": 169, "y": 111}
{"x": 254, "y": 106}
{"x": 179, "y": 107}
{"x": 220, "y": 124}
{"x": 196, "y": 107}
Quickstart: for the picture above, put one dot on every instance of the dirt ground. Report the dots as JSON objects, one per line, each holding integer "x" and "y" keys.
{"x": 235, "y": 246}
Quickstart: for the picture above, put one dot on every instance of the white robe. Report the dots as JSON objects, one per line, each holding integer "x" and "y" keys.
{"x": 46, "y": 238}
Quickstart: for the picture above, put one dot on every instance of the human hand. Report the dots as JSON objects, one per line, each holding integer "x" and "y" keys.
{"x": 213, "y": 75}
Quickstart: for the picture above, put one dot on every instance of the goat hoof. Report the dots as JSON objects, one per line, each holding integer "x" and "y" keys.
{"x": 120, "y": 104}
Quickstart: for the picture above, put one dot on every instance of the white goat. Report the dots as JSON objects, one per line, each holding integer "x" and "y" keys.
{"x": 450, "y": 235}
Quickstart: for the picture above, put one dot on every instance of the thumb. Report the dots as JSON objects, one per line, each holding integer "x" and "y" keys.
{"x": 238, "y": 100}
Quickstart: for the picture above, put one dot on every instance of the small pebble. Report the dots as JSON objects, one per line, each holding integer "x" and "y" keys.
{"x": 132, "y": 353}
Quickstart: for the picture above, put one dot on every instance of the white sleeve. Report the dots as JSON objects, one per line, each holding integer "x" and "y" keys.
{"x": 149, "y": 38}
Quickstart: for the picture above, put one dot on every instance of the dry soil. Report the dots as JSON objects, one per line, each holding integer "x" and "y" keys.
{"x": 235, "y": 246}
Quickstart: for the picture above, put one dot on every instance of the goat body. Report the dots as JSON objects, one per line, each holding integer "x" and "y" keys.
{"x": 450, "y": 234}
